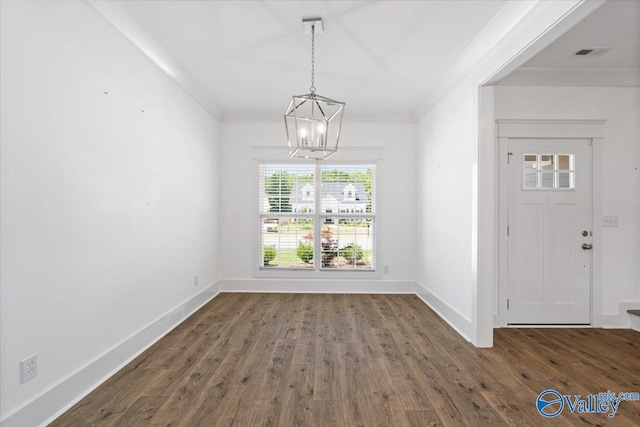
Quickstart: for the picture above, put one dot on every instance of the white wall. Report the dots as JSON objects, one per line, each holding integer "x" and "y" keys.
{"x": 242, "y": 145}
{"x": 444, "y": 208}
{"x": 620, "y": 186}
{"x": 456, "y": 180}
{"x": 107, "y": 212}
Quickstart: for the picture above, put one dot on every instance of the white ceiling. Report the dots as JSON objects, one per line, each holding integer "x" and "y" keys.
{"x": 386, "y": 59}
{"x": 377, "y": 56}
{"x": 615, "y": 25}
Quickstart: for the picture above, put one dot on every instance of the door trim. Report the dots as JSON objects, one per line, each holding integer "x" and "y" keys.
{"x": 561, "y": 129}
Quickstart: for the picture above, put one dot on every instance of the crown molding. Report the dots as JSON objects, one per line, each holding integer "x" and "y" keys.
{"x": 595, "y": 77}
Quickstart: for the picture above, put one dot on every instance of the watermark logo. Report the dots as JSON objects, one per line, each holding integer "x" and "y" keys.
{"x": 550, "y": 403}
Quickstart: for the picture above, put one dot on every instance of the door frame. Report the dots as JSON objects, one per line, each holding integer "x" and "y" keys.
{"x": 558, "y": 129}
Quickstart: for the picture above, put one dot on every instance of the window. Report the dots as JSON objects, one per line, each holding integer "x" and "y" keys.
{"x": 548, "y": 171}
{"x": 317, "y": 217}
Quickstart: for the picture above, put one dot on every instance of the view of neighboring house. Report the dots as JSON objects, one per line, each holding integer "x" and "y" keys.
{"x": 337, "y": 197}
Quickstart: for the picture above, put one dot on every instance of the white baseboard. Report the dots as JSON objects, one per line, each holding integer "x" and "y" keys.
{"x": 319, "y": 286}
{"x": 621, "y": 319}
{"x": 457, "y": 321}
{"x": 49, "y": 405}
{"x": 613, "y": 321}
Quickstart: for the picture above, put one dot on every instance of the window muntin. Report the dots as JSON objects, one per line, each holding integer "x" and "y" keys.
{"x": 287, "y": 188}
{"x": 348, "y": 243}
{"x": 287, "y": 242}
{"x": 344, "y": 221}
{"x": 548, "y": 171}
{"x": 347, "y": 188}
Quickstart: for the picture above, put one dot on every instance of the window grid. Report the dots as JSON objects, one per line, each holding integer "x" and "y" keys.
{"x": 287, "y": 242}
{"x": 348, "y": 243}
{"x": 345, "y": 195}
{"x": 278, "y": 182}
{"x": 548, "y": 172}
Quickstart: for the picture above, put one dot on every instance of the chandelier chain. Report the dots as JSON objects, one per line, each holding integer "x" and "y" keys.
{"x": 313, "y": 122}
{"x": 312, "y": 89}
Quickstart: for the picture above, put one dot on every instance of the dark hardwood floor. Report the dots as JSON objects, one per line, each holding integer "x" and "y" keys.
{"x": 356, "y": 360}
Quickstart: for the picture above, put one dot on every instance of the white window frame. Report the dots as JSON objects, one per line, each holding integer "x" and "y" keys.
{"x": 318, "y": 217}
{"x": 555, "y": 172}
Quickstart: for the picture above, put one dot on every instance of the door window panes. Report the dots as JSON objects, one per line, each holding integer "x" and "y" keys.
{"x": 547, "y": 180}
{"x": 546, "y": 162}
{"x": 564, "y": 180}
{"x": 548, "y": 171}
{"x": 531, "y": 180}
{"x": 530, "y": 162}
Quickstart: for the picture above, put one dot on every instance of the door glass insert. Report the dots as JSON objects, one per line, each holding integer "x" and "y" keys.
{"x": 548, "y": 171}
{"x": 530, "y": 162}
{"x": 546, "y": 162}
{"x": 565, "y": 162}
{"x": 547, "y": 180}
{"x": 531, "y": 180}
{"x": 564, "y": 180}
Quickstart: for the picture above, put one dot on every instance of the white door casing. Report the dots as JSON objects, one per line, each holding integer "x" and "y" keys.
{"x": 549, "y": 271}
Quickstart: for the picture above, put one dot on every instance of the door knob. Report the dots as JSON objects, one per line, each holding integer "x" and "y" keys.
{"x": 587, "y": 246}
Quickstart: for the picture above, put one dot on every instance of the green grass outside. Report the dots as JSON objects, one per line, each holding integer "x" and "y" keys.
{"x": 288, "y": 258}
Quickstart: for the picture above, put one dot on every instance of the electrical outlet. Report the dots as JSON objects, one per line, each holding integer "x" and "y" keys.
{"x": 196, "y": 280}
{"x": 610, "y": 221}
{"x": 29, "y": 369}
{"x": 385, "y": 270}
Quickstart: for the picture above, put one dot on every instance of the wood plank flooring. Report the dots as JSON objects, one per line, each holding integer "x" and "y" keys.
{"x": 356, "y": 360}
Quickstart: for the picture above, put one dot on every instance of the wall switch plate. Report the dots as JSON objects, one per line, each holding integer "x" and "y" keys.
{"x": 196, "y": 280}
{"x": 610, "y": 221}
{"x": 29, "y": 369}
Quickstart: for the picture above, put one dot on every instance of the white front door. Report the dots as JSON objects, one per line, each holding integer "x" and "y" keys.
{"x": 549, "y": 231}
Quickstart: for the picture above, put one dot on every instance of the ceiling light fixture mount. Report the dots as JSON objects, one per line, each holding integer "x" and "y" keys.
{"x": 313, "y": 122}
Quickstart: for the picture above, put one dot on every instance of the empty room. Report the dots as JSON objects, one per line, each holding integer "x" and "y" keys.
{"x": 319, "y": 213}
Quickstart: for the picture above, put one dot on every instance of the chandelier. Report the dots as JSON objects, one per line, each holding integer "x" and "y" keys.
{"x": 313, "y": 122}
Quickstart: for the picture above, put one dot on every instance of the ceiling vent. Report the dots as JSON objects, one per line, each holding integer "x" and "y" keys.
{"x": 593, "y": 51}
